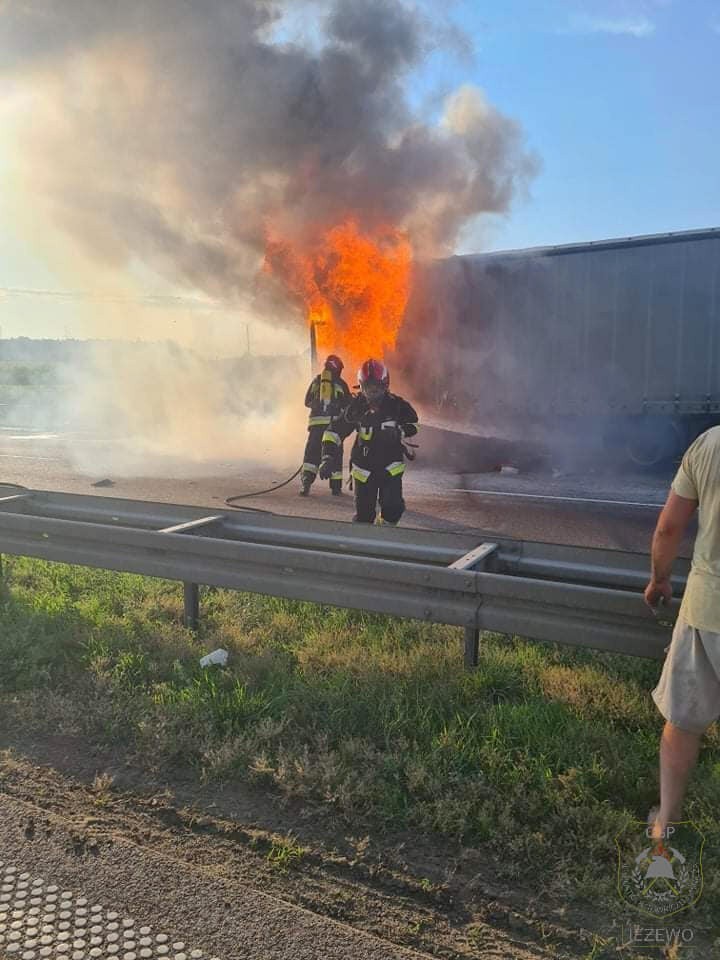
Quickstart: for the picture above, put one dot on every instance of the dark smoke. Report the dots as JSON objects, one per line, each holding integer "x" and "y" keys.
{"x": 175, "y": 131}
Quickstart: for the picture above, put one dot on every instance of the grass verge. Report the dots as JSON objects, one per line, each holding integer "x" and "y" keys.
{"x": 540, "y": 757}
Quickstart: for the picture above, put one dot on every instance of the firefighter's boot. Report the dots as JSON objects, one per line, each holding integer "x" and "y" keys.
{"x": 336, "y": 488}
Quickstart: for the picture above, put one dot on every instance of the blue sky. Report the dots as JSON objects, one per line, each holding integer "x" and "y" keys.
{"x": 619, "y": 100}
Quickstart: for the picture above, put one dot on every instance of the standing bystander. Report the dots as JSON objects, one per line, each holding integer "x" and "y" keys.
{"x": 688, "y": 694}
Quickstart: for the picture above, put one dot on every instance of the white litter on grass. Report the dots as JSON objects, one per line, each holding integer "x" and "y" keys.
{"x": 219, "y": 657}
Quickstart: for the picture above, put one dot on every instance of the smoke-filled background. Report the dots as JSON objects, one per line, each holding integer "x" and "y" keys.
{"x": 165, "y": 142}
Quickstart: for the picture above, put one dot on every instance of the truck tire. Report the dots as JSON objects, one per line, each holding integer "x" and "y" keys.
{"x": 651, "y": 441}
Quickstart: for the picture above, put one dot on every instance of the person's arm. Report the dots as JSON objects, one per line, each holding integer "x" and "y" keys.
{"x": 354, "y": 411}
{"x": 407, "y": 418}
{"x": 311, "y": 394}
{"x": 670, "y": 529}
{"x": 335, "y": 434}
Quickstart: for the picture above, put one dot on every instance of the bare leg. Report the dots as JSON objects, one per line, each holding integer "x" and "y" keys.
{"x": 678, "y": 755}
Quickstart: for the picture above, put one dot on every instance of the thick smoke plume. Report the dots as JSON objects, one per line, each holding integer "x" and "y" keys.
{"x": 178, "y": 131}
{"x": 180, "y": 134}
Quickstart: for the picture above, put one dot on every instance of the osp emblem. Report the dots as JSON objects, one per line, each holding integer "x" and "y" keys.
{"x": 660, "y": 876}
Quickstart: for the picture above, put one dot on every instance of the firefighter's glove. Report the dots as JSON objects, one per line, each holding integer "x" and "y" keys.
{"x": 326, "y": 468}
{"x": 409, "y": 429}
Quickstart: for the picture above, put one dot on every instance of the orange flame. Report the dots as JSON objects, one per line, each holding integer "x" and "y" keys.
{"x": 354, "y": 287}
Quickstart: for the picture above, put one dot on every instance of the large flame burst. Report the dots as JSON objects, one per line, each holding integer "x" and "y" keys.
{"x": 354, "y": 287}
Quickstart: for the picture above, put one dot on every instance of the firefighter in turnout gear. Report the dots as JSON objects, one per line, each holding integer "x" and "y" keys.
{"x": 382, "y": 421}
{"x": 327, "y": 397}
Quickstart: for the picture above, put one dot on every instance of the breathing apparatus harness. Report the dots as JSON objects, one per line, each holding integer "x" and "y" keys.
{"x": 327, "y": 389}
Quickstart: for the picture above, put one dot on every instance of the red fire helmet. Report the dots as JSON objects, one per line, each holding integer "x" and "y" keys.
{"x": 374, "y": 372}
{"x": 335, "y": 364}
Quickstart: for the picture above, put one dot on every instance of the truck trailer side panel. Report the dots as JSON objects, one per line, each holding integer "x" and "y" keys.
{"x": 618, "y": 328}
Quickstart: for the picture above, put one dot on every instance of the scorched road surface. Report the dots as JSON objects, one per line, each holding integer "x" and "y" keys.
{"x": 588, "y": 507}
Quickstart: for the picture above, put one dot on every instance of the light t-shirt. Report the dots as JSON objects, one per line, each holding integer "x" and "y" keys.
{"x": 699, "y": 479}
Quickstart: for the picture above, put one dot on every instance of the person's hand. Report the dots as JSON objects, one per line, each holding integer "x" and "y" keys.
{"x": 658, "y": 591}
{"x": 357, "y": 407}
{"x": 326, "y": 468}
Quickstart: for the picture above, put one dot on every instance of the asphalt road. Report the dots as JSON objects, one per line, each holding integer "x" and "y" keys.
{"x": 588, "y": 507}
{"x": 61, "y": 896}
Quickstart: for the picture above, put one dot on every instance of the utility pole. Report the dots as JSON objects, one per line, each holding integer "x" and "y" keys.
{"x": 313, "y": 349}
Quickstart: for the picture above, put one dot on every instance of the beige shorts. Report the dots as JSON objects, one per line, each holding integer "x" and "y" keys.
{"x": 688, "y": 694}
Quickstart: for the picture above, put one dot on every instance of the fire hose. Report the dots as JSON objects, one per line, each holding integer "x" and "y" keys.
{"x": 410, "y": 453}
{"x": 230, "y": 501}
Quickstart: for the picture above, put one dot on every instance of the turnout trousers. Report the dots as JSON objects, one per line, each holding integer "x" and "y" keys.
{"x": 313, "y": 455}
{"x": 382, "y": 487}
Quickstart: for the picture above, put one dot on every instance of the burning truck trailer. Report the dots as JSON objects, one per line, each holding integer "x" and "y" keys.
{"x": 610, "y": 349}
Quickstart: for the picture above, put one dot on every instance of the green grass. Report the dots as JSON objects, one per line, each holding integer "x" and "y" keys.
{"x": 19, "y": 373}
{"x": 26, "y": 388}
{"x": 284, "y": 854}
{"x": 541, "y": 756}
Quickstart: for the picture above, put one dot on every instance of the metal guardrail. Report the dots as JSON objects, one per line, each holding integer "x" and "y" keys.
{"x": 575, "y": 595}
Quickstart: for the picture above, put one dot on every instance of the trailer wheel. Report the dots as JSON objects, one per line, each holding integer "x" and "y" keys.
{"x": 650, "y": 441}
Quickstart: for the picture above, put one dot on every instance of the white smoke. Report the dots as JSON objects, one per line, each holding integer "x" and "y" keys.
{"x": 173, "y": 134}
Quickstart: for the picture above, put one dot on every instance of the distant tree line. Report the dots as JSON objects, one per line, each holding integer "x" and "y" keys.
{"x": 26, "y": 361}
{"x": 28, "y": 350}
{"x": 17, "y": 373}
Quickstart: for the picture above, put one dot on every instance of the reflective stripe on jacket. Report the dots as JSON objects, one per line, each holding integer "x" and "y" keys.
{"x": 357, "y": 473}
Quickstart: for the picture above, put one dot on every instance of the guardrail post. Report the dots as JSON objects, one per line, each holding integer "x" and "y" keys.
{"x": 472, "y": 647}
{"x": 192, "y": 605}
